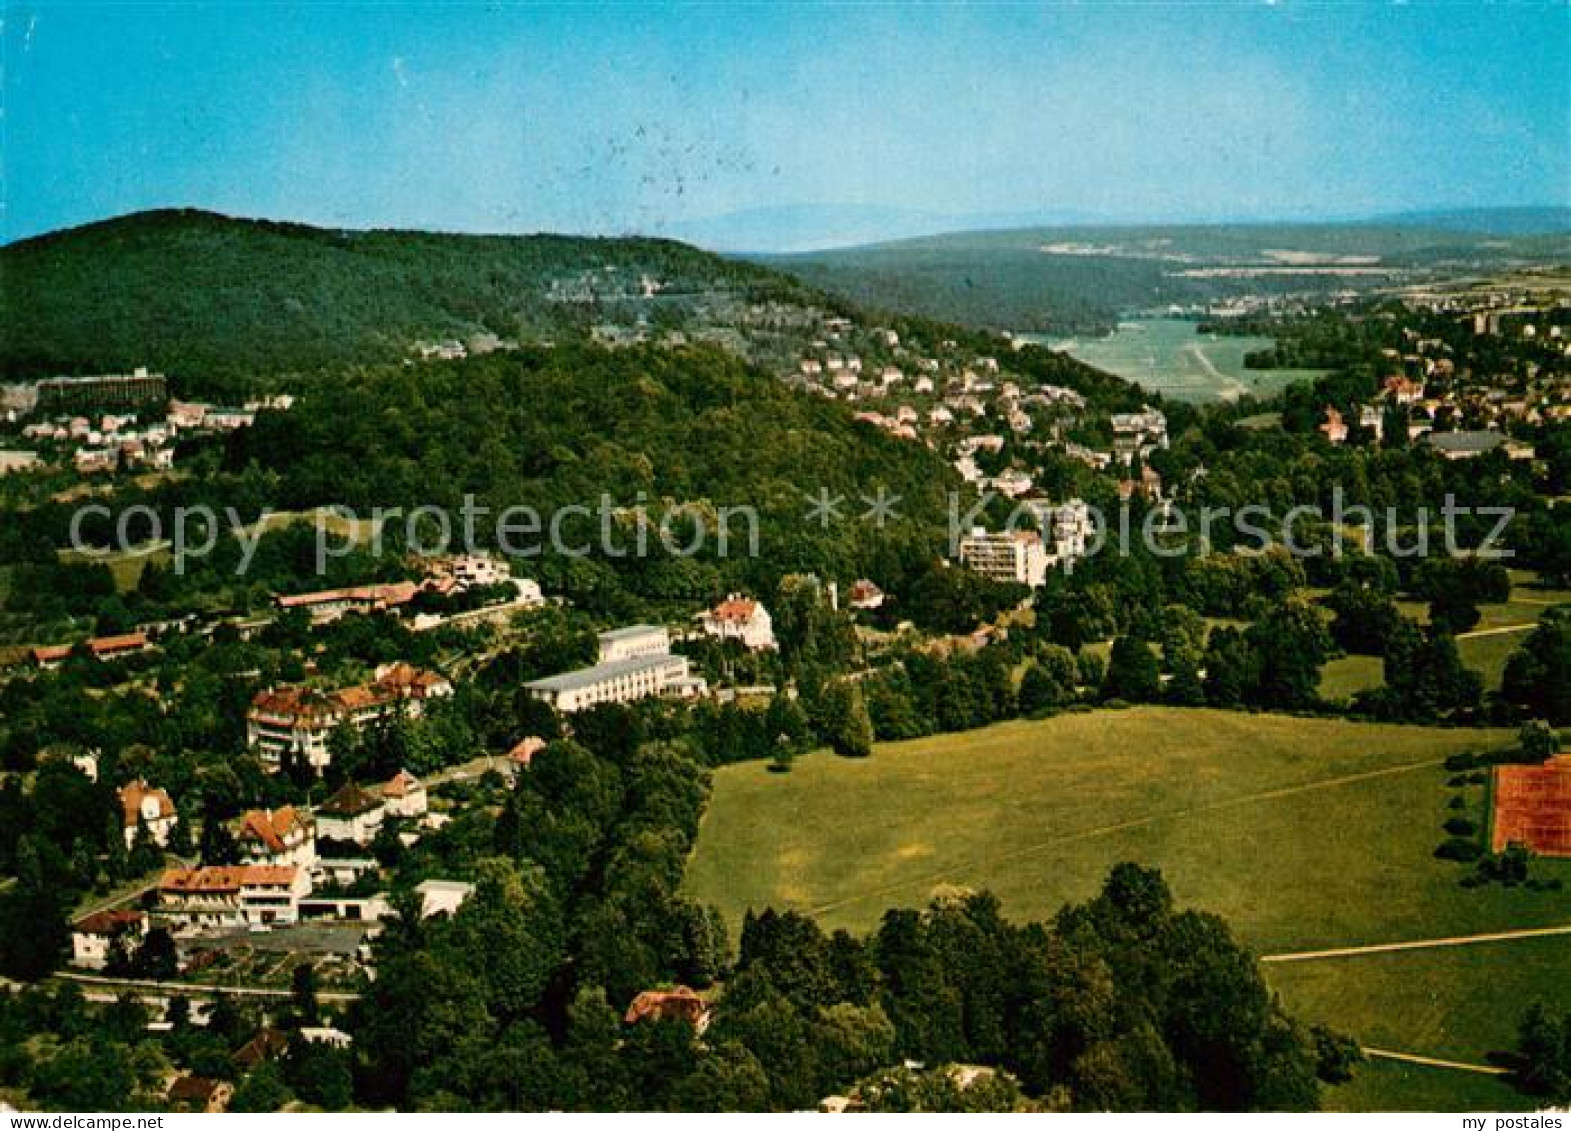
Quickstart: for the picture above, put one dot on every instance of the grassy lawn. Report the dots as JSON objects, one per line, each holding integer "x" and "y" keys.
{"x": 1458, "y": 1003}
{"x": 1384, "y": 1085}
{"x": 1486, "y": 655}
{"x": 1302, "y": 833}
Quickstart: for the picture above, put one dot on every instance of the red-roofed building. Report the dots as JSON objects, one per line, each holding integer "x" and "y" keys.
{"x": 299, "y": 720}
{"x": 100, "y": 647}
{"x": 93, "y": 936}
{"x": 742, "y": 619}
{"x": 1533, "y": 807}
{"x": 679, "y": 1004}
{"x": 277, "y": 837}
{"x": 865, "y": 595}
{"x": 521, "y": 755}
{"x": 244, "y": 895}
{"x": 330, "y": 604}
{"x": 404, "y": 795}
{"x": 141, "y": 804}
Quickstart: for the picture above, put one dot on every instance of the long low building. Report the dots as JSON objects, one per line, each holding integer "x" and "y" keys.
{"x": 635, "y": 663}
{"x": 246, "y": 895}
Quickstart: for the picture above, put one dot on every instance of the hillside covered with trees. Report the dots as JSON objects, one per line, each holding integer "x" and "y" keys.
{"x": 205, "y": 297}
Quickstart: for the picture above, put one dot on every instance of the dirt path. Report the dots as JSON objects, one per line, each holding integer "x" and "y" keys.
{"x": 1500, "y": 630}
{"x": 1432, "y": 1062}
{"x": 1419, "y": 944}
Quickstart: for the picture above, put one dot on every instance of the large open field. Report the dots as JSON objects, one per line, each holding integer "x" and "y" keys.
{"x": 1168, "y": 356}
{"x": 1304, "y": 834}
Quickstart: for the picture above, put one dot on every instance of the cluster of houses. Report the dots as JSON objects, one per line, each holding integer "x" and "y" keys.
{"x": 73, "y": 421}
{"x": 280, "y": 869}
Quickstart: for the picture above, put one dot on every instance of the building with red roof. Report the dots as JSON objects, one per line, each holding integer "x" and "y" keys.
{"x": 741, "y": 619}
{"x": 278, "y": 837}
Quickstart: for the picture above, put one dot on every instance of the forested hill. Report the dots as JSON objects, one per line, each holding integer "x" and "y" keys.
{"x": 194, "y": 293}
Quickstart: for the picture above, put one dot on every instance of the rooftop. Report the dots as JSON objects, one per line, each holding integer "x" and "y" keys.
{"x": 588, "y": 677}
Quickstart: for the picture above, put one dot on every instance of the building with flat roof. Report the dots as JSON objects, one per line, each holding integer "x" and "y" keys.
{"x": 635, "y": 663}
{"x": 1018, "y": 556}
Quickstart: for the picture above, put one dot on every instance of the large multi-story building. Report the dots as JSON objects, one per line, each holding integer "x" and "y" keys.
{"x": 246, "y": 895}
{"x": 1067, "y": 528}
{"x": 1018, "y": 556}
{"x": 635, "y": 663}
{"x": 298, "y": 721}
{"x": 110, "y": 390}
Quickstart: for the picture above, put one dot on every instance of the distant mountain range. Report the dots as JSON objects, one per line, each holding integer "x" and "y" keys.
{"x": 797, "y": 228}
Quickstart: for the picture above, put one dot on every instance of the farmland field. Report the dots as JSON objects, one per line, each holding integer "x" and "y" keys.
{"x": 1168, "y": 356}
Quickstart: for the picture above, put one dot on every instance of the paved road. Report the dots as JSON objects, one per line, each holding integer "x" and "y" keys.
{"x": 190, "y": 989}
{"x": 1419, "y": 944}
{"x": 1432, "y": 1062}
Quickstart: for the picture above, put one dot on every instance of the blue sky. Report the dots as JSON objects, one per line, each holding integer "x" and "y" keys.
{"x": 634, "y": 117}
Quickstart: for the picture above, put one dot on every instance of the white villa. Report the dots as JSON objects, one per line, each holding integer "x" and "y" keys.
{"x": 740, "y": 618}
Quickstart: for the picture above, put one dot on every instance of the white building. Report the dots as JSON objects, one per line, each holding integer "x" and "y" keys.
{"x": 93, "y": 937}
{"x": 351, "y": 814}
{"x": 140, "y": 805}
{"x": 1018, "y": 556}
{"x": 405, "y": 796}
{"x": 1138, "y": 433}
{"x": 635, "y": 663}
{"x": 442, "y": 897}
{"x": 299, "y": 720}
{"x": 742, "y": 619}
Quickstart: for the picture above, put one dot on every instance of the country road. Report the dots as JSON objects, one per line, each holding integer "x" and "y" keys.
{"x": 1418, "y": 944}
